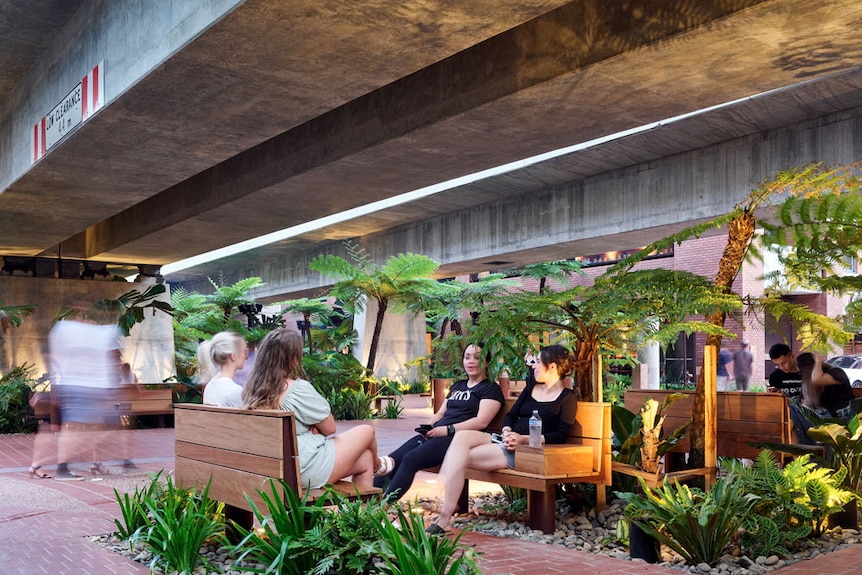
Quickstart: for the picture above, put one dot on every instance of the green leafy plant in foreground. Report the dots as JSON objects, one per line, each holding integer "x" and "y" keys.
{"x": 286, "y": 523}
{"x": 408, "y": 550}
{"x": 133, "y": 510}
{"x": 15, "y": 388}
{"x": 348, "y": 537}
{"x": 181, "y": 523}
{"x": 695, "y": 524}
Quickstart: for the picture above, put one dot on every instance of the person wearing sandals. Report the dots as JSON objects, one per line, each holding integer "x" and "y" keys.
{"x": 85, "y": 375}
{"x": 556, "y": 405}
{"x": 277, "y": 381}
{"x": 472, "y": 403}
{"x": 219, "y": 358}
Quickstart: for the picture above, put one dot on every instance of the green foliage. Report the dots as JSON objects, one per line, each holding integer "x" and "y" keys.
{"x": 15, "y": 387}
{"x": 411, "y": 551}
{"x": 695, "y": 524}
{"x": 181, "y": 523}
{"x": 798, "y": 498}
{"x": 13, "y": 315}
{"x": 614, "y": 317}
{"x": 126, "y": 310}
{"x": 288, "y": 523}
{"x": 845, "y": 449}
{"x": 401, "y": 284}
{"x": 133, "y": 508}
{"x": 614, "y": 388}
{"x": 392, "y": 410}
{"x": 343, "y": 381}
{"x": 348, "y": 538}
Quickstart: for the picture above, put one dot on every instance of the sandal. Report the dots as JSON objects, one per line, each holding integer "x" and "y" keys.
{"x": 387, "y": 464}
{"x": 36, "y": 474}
{"x": 98, "y": 469}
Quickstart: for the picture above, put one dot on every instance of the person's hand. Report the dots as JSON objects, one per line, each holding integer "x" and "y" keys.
{"x": 314, "y": 431}
{"x": 511, "y": 440}
{"x": 772, "y": 389}
{"x": 439, "y": 431}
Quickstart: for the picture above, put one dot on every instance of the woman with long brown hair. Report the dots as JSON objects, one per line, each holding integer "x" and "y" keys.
{"x": 278, "y": 381}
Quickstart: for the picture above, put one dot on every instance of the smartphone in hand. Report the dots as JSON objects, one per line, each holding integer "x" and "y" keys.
{"x": 423, "y": 429}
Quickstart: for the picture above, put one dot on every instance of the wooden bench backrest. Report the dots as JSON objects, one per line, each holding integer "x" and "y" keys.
{"x": 743, "y": 418}
{"x": 241, "y": 449}
{"x": 138, "y": 399}
{"x": 592, "y": 427}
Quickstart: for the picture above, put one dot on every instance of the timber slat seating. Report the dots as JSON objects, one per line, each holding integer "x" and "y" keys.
{"x": 241, "y": 450}
{"x": 743, "y": 419}
{"x": 145, "y": 399}
{"x": 592, "y": 429}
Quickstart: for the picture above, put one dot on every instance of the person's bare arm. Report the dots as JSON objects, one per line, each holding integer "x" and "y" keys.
{"x": 819, "y": 377}
{"x": 327, "y": 426}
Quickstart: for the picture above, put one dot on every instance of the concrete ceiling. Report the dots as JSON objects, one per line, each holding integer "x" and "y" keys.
{"x": 259, "y": 125}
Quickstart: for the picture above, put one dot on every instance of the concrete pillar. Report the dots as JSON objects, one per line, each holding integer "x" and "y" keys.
{"x": 401, "y": 340}
{"x": 646, "y": 375}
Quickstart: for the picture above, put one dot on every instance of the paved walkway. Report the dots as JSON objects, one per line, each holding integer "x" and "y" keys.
{"x": 45, "y": 524}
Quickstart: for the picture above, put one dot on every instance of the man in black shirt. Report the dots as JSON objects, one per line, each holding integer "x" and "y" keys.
{"x": 786, "y": 378}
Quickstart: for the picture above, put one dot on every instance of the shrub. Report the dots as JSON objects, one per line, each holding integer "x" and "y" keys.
{"x": 180, "y": 523}
{"x": 695, "y": 524}
{"x": 133, "y": 508}
{"x": 411, "y": 551}
{"x": 15, "y": 389}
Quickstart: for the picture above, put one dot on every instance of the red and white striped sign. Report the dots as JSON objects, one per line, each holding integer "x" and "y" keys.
{"x": 83, "y": 101}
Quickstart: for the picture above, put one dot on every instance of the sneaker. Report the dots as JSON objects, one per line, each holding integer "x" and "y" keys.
{"x": 67, "y": 476}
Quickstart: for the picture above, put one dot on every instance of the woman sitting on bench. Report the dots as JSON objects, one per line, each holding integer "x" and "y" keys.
{"x": 556, "y": 405}
{"x": 277, "y": 381}
{"x": 219, "y": 359}
{"x": 472, "y": 403}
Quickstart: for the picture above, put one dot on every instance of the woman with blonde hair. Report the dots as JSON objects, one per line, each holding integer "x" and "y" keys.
{"x": 277, "y": 381}
{"x": 219, "y": 358}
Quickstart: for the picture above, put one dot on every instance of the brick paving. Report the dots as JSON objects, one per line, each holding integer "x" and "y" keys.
{"x": 46, "y": 539}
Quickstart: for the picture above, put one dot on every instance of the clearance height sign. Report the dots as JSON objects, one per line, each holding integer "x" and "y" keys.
{"x": 73, "y": 110}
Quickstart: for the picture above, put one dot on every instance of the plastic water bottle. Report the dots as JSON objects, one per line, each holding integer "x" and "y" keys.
{"x": 535, "y": 429}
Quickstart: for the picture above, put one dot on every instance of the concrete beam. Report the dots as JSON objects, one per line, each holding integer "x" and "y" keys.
{"x": 621, "y": 209}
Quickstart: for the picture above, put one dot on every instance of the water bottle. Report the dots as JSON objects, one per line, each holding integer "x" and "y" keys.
{"x": 535, "y": 429}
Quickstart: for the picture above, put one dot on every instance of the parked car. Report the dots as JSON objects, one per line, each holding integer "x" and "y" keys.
{"x": 852, "y": 366}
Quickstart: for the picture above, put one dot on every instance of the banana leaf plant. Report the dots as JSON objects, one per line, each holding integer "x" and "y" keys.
{"x": 845, "y": 450}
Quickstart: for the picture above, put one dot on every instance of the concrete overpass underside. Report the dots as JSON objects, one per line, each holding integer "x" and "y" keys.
{"x": 228, "y": 120}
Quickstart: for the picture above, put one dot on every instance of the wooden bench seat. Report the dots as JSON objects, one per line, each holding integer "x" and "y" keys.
{"x": 588, "y": 451}
{"x": 241, "y": 450}
{"x": 145, "y": 399}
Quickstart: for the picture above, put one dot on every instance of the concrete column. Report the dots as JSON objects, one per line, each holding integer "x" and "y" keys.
{"x": 402, "y": 339}
{"x": 646, "y": 375}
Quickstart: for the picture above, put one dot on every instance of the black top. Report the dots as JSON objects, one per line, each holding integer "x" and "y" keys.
{"x": 463, "y": 401}
{"x": 790, "y": 384}
{"x": 558, "y": 416}
{"x": 837, "y": 396}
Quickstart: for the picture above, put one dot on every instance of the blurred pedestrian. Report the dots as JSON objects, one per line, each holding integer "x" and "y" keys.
{"x": 85, "y": 375}
{"x": 743, "y": 362}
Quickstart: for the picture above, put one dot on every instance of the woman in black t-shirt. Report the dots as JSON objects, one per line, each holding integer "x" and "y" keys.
{"x": 556, "y": 405}
{"x": 472, "y": 403}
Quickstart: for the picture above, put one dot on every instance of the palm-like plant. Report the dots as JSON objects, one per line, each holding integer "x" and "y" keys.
{"x": 228, "y": 298}
{"x": 818, "y": 204}
{"x": 612, "y": 317}
{"x": 13, "y": 315}
{"x": 402, "y": 283}
{"x": 126, "y": 310}
{"x": 309, "y": 308}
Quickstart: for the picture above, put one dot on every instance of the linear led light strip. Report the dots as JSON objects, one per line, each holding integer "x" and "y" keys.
{"x": 434, "y": 189}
